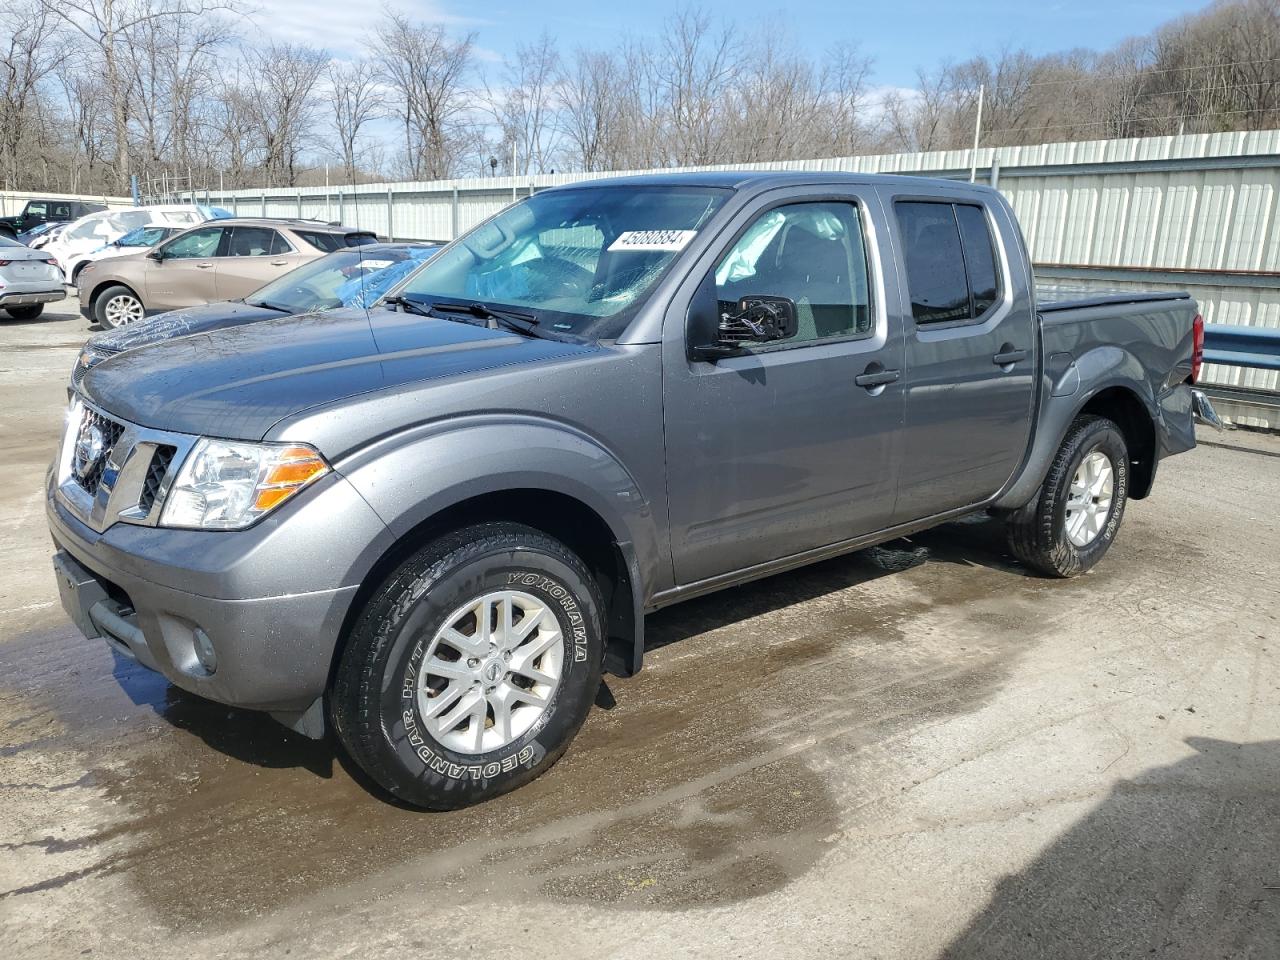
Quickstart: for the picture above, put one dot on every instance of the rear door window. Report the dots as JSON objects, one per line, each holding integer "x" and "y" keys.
{"x": 952, "y": 273}
{"x": 252, "y": 242}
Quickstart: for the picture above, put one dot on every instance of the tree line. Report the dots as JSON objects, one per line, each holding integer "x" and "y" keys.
{"x": 97, "y": 90}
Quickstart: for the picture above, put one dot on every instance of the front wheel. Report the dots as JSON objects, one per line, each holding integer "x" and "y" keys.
{"x": 117, "y": 306}
{"x": 471, "y": 669}
{"x": 1075, "y": 515}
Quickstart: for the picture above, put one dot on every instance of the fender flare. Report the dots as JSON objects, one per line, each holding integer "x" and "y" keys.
{"x": 412, "y": 476}
{"x": 1102, "y": 368}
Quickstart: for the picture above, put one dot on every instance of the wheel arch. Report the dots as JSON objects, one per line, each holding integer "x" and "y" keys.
{"x": 1120, "y": 397}
{"x": 1122, "y": 406}
{"x": 103, "y": 285}
{"x": 571, "y": 521}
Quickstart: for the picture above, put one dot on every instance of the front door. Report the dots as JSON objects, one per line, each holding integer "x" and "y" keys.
{"x": 184, "y": 277}
{"x": 971, "y": 352}
{"x": 779, "y": 450}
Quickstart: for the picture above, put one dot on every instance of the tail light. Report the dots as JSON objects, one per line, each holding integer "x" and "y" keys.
{"x": 5, "y": 263}
{"x": 1197, "y": 347}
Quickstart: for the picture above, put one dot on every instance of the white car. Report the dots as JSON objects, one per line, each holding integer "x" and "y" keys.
{"x": 88, "y": 234}
{"x": 135, "y": 241}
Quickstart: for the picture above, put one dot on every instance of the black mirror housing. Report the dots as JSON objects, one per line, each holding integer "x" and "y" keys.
{"x": 758, "y": 319}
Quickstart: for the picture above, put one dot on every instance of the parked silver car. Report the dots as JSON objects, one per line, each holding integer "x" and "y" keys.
{"x": 28, "y": 280}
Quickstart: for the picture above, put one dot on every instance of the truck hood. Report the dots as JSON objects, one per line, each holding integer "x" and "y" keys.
{"x": 178, "y": 323}
{"x": 238, "y": 382}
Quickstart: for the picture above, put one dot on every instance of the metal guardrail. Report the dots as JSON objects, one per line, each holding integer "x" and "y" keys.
{"x": 1257, "y": 347}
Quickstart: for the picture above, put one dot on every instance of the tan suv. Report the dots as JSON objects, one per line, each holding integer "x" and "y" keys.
{"x": 219, "y": 260}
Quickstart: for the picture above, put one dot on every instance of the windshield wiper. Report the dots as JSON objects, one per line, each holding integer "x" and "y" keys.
{"x": 516, "y": 320}
{"x": 409, "y": 306}
{"x": 269, "y": 306}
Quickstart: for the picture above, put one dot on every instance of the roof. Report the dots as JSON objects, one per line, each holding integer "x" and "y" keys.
{"x": 758, "y": 179}
{"x": 294, "y": 223}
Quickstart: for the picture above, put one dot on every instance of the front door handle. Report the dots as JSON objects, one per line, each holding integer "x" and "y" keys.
{"x": 1008, "y": 355}
{"x": 203, "y": 266}
{"x": 876, "y": 378}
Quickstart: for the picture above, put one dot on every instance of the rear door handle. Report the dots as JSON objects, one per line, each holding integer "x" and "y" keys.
{"x": 1006, "y": 357}
{"x": 278, "y": 263}
{"x": 877, "y": 378}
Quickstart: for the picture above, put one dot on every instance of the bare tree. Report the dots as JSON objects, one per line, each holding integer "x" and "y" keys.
{"x": 280, "y": 84}
{"x": 523, "y": 105}
{"x": 32, "y": 53}
{"x": 356, "y": 102}
{"x": 590, "y": 109}
{"x": 109, "y": 25}
{"x": 426, "y": 71}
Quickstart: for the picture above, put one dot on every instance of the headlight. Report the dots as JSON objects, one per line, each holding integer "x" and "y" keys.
{"x": 228, "y": 485}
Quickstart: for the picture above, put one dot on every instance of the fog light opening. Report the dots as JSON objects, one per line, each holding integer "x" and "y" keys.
{"x": 204, "y": 651}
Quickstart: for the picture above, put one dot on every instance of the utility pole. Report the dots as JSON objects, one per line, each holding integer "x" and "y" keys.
{"x": 977, "y": 134}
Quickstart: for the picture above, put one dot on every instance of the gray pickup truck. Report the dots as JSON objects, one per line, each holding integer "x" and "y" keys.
{"x": 430, "y": 529}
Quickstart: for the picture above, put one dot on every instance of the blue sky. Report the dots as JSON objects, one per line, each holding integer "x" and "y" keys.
{"x": 900, "y": 35}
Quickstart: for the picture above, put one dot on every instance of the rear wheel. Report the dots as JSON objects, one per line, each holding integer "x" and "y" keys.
{"x": 117, "y": 306}
{"x": 472, "y": 668}
{"x": 26, "y": 313}
{"x": 1076, "y": 514}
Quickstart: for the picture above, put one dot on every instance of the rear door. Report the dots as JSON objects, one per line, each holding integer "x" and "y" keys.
{"x": 971, "y": 348}
{"x": 254, "y": 257}
{"x": 185, "y": 277}
{"x": 780, "y": 450}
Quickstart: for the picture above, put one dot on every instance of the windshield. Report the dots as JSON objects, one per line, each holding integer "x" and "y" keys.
{"x": 351, "y": 277}
{"x": 142, "y": 237}
{"x": 580, "y": 259}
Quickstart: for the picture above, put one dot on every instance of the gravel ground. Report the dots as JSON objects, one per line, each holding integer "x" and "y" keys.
{"x": 914, "y": 751}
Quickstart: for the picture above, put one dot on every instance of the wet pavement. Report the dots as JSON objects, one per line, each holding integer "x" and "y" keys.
{"x": 915, "y": 751}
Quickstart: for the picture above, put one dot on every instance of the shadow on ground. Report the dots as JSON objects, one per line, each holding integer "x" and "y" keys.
{"x": 1181, "y": 862}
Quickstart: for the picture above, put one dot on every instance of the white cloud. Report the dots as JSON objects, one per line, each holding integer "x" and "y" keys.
{"x": 341, "y": 26}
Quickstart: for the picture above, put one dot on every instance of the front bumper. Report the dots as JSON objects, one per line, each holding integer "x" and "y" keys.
{"x": 271, "y": 600}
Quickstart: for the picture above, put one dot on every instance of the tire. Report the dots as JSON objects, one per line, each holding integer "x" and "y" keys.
{"x": 385, "y": 692}
{"x": 25, "y": 313}
{"x": 118, "y": 305}
{"x": 1042, "y": 535}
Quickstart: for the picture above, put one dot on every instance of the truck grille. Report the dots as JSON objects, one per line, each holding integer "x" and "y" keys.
{"x": 160, "y": 463}
{"x": 94, "y": 441}
{"x": 112, "y": 471}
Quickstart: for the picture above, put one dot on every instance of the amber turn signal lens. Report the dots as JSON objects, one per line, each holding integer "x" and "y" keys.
{"x": 292, "y": 469}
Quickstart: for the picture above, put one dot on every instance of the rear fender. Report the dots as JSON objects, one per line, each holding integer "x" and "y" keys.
{"x": 1065, "y": 391}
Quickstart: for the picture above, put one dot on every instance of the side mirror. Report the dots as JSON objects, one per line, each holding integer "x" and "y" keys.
{"x": 758, "y": 319}
{"x": 155, "y": 254}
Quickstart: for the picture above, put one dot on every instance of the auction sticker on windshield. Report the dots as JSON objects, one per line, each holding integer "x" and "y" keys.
{"x": 649, "y": 240}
